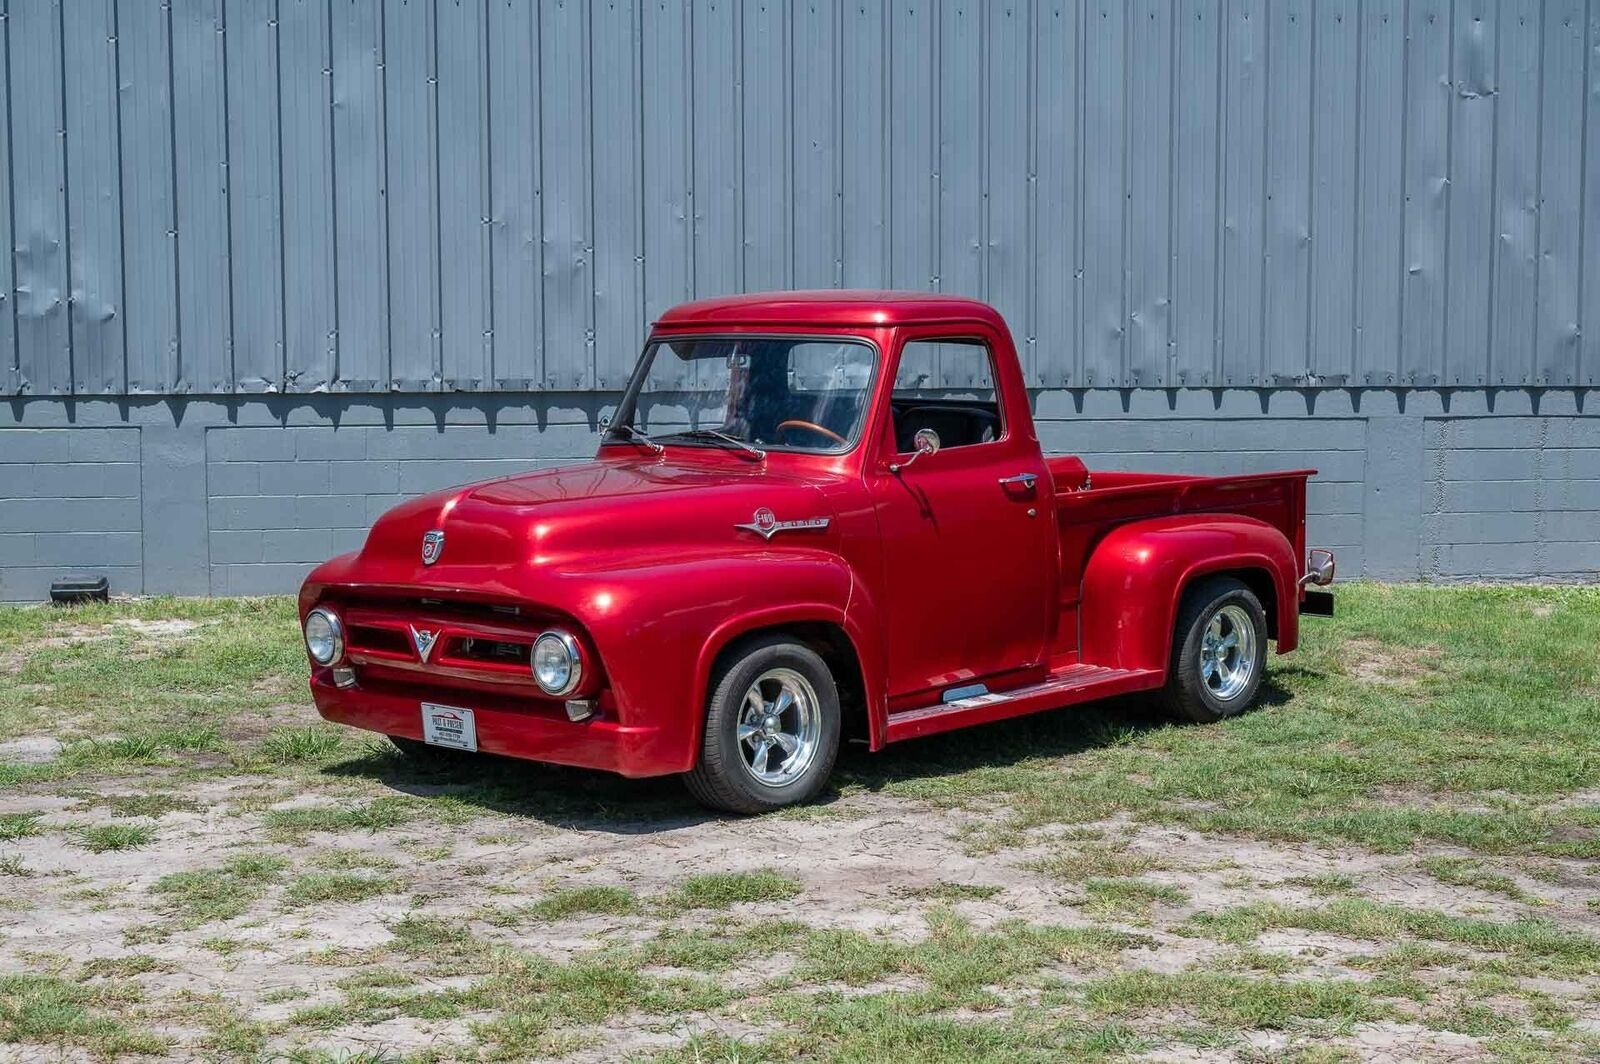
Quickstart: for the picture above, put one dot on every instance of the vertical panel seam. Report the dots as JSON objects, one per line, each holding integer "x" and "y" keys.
{"x": 436, "y": 221}
{"x": 738, "y": 148}
{"x": 1170, "y": 363}
{"x": 383, "y": 169}
{"x": 690, "y": 209}
{"x": 1031, "y": 207}
{"x": 640, "y": 274}
{"x": 333, "y": 187}
{"x": 122, "y": 214}
{"x": 1124, "y": 281}
{"x": 838, "y": 144}
{"x": 936, "y": 42}
{"x": 590, "y": 244}
{"x": 1583, "y": 215}
{"x": 11, "y": 208}
{"x": 1075, "y": 372}
{"x": 1310, "y": 362}
{"x": 787, "y": 40}
{"x": 176, "y": 377}
{"x": 66, "y": 192}
{"x": 1263, "y": 256}
{"x": 1399, "y": 361}
{"x": 1487, "y": 378}
{"x": 489, "y": 341}
{"x": 1442, "y": 375}
{"x": 985, "y": 153}
{"x": 886, "y": 144}
{"x": 536, "y": 113}
{"x": 232, "y": 383}
{"x": 1219, "y": 297}
{"x": 1357, "y": 333}
{"x": 1531, "y": 376}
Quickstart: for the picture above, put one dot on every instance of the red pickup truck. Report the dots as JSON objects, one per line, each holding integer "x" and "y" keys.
{"x": 814, "y": 516}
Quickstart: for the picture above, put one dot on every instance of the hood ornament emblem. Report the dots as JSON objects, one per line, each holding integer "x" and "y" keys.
{"x": 424, "y": 641}
{"x": 765, "y": 524}
{"x": 432, "y": 545}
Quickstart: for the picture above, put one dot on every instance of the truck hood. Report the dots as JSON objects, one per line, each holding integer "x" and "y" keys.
{"x": 591, "y": 515}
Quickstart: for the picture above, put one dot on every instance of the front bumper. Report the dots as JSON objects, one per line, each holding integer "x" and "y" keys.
{"x": 507, "y": 726}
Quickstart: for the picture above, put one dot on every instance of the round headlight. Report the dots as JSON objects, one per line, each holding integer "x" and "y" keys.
{"x": 324, "y": 636}
{"x": 557, "y": 664}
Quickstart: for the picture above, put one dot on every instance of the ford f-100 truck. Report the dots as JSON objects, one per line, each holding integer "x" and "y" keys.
{"x": 813, "y": 516}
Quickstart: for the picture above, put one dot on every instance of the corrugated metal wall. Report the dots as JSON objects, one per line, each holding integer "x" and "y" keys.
{"x": 219, "y": 196}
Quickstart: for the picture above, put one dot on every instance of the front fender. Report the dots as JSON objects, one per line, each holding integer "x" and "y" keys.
{"x": 664, "y": 624}
{"x": 1136, "y": 576}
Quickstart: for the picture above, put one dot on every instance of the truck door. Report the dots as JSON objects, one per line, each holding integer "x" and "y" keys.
{"x": 968, "y": 530}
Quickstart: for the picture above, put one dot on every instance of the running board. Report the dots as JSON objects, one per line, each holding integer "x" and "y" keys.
{"x": 1073, "y": 684}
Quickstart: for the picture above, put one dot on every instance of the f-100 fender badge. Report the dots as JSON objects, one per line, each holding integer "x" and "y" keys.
{"x": 766, "y": 524}
{"x": 432, "y": 546}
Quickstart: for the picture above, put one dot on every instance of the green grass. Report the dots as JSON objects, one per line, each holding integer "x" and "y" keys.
{"x": 47, "y": 1010}
{"x": 103, "y": 838}
{"x": 719, "y": 890}
{"x": 1129, "y": 897}
{"x": 315, "y": 743}
{"x": 15, "y": 826}
{"x": 323, "y": 887}
{"x": 202, "y": 896}
{"x": 580, "y": 901}
{"x": 293, "y": 825}
{"x": 1491, "y": 718}
{"x": 1469, "y": 872}
{"x": 953, "y": 892}
{"x": 1537, "y": 944}
{"x": 1236, "y": 1002}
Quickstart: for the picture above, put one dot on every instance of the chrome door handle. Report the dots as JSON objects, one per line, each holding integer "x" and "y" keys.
{"x": 1025, "y": 479}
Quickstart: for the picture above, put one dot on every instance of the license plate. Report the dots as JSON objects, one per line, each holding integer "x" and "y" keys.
{"x": 449, "y": 726}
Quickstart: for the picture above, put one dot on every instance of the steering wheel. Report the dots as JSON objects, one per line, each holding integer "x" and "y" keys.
{"x": 812, "y": 426}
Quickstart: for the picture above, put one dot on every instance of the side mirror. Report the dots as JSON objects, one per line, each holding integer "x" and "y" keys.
{"x": 926, "y": 441}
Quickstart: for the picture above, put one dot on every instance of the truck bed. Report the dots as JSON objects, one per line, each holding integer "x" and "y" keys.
{"x": 1085, "y": 514}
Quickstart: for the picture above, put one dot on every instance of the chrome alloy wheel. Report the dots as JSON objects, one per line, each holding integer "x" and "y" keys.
{"x": 780, "y": 727}
{"x": 1227, "y": 653}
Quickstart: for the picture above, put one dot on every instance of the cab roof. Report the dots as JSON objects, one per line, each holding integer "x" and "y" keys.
{"x": 830, "y": 307}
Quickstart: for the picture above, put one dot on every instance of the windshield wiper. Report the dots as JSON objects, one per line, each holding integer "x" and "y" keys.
{"x": 721, "y": 437}
{"x": 633, "y": 434}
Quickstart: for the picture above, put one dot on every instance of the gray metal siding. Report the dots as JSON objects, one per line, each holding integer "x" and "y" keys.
{"x": 221, "y": 196}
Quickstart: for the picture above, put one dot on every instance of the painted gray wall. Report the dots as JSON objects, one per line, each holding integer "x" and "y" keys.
{"x": 279, "y": 263}
{"x": 244, "y": 496}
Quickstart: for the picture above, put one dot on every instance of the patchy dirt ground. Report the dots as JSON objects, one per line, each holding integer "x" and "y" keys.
{"x": 1386, "y": 862}
{"x": 282, "y": 973}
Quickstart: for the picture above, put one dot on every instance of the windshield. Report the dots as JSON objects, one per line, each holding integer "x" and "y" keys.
{"x": 750, "y": 391}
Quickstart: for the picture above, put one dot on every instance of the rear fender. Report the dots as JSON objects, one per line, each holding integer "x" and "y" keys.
{"x": 1137, "y": 574}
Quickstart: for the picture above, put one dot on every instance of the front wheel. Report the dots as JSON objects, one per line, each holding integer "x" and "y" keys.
{"x": 772, "y": 729}
{"x": 1219, "y": 651}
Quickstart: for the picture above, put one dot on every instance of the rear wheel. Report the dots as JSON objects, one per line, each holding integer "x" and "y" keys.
{"x": 1219, "y": 651}
{"x": 772, "y": 729}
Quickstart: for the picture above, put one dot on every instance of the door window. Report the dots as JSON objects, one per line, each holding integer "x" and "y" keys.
{"x": 946, "y": 386}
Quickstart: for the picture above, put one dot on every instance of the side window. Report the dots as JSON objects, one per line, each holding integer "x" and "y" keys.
{"x": 946, "y": 386}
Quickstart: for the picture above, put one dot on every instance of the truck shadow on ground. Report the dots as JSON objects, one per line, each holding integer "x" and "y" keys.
{"x": 594, "y": 801}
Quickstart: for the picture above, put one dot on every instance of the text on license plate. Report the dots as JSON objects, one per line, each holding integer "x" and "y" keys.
{"x": 449, "y": 726}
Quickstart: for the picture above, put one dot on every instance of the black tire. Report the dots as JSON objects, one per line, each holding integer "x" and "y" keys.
{"x": 723, "y": 779}
{"x": 1188, "y": 694}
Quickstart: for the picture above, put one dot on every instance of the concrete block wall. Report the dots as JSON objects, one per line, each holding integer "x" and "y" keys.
{"x": 203, "y": 497}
